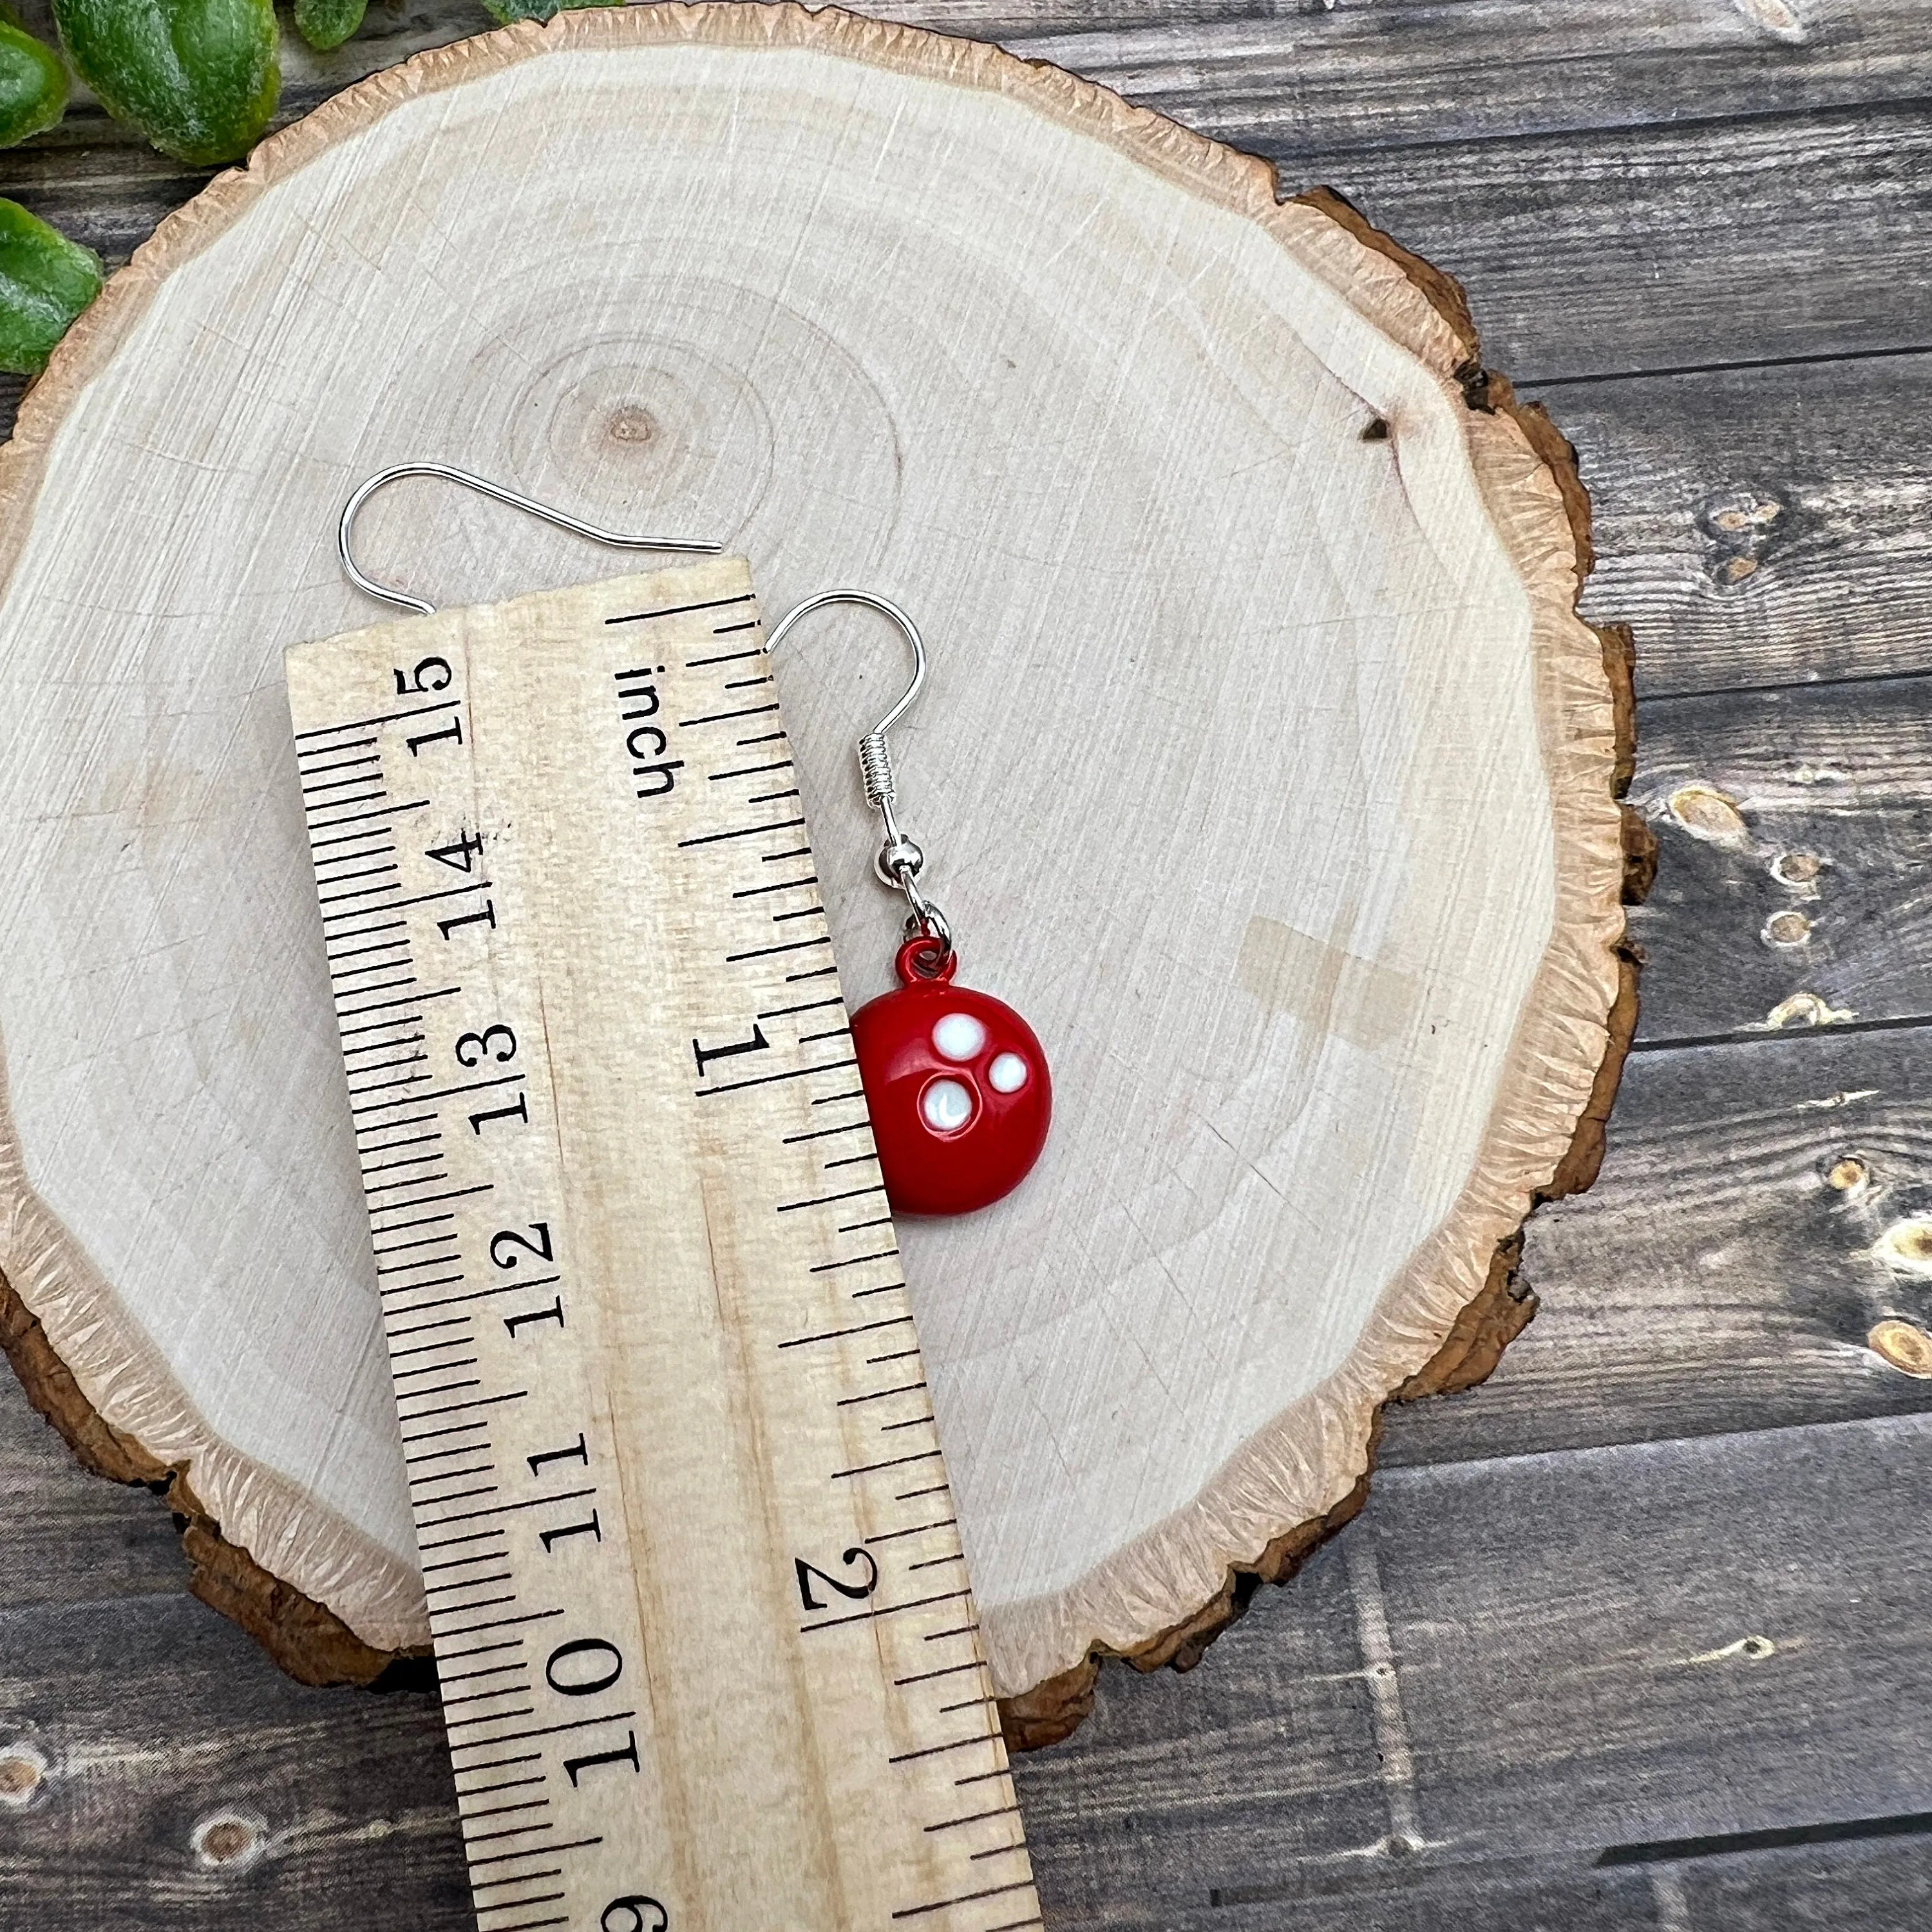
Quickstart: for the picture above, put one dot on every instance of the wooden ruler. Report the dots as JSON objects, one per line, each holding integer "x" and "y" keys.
{"x": 708, "y": 1656}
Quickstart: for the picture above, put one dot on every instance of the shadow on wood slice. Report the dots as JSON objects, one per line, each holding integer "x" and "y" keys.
{"x": 1266, "y": 766}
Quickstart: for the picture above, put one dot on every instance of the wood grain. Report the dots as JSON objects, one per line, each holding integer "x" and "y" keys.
{"x": 1744, "y": 257}
{"x": 1715, "y": 1280}
{"x": 1482, "y": 1665}
{"x": 1498, "y": 1676}
{"x": 1761, "y": 526}
{"x": 1402, "y": 70}
{"x": 1213, "y": 1031}
{"x": 154, "y": 1717}
{"x": 1794, "y": 836}
{"x": 1755, "y": 526}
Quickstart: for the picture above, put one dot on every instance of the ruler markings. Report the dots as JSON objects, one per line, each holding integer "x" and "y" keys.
{"x": 363, "y": 724}
{"x": 856, "y": 1260}
{"x": 483, "y": 1187}
{"x": 743, "y": 831}
{"x": 383, "y": 1067}
{"x": 422, "y": 1240}
{"x": 888, "y": 1610}
{"x": 446, "y": 1388}
{"x": 750, "y": 772}
{"x": 826, "y": 1133}
{"x": 538, "y": 1589}
{"x": 386, "y": 986}
{"x": 427, "y": 1221}
{"x": 420, "y": 1261}
{"x": 457, "y": 1408}
{"x": 390, "y": 1187}
{"x": 676, "y": 610}
{"x": 547, "y": 1731}
{"x": 416, "y": 1287}
{"x": 360, "y": 892}
{"x": 457, "y": 1476}
{"x": 380, "y": 850}
{"x": 433, "y": 1348}
{"x": 507, "y": 1831}
{"x": 770, "y": 951}
{"x": 329, "y": 824}
{"x": 727, "y": 717}
{"x": 880, "y": 1395}
{"x": 326, "y": 751}
{"x": 380, "y": 1006}
{"x": 827, "y": 1200}
{"x": 893, "y": 1462}
{"x": 949, "y": 1670}
{"x": 336, "y": 804}
{"x": 966, "y": 1898}
{"x": 425, "y": 898}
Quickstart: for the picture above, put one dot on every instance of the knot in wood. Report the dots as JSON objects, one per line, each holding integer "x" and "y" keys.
{"x": 1706, "y": 813}
{"x": 633, "y": 423}
{"x": 229, "y": 1841}
{"x": 1742, "y": 525}
{"x": 23, "y": 1770}
{"x": 1905, "y": 1345}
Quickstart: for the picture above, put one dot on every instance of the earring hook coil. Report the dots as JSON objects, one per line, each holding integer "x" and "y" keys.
{"x": 899, "y": 860}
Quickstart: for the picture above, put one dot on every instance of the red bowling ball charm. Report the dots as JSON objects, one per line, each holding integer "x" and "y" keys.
{"x": 958, "y": 1088}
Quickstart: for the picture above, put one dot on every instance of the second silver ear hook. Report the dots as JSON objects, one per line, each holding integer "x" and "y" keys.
{"x": 345, "y": 534}
{"x": 899, "y": 860}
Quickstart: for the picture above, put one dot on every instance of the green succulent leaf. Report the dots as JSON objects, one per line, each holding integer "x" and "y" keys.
{"x": 199, "y": 78}
{"x": 45, "y": 281}
{"x": 33, "y": 86}
{"x": 505, "y": 11}
{"x": 325, "y": 24}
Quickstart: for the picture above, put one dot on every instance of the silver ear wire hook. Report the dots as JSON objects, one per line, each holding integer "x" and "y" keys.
{"x": 345, "y": 533}
{"x": 898, "y": 861}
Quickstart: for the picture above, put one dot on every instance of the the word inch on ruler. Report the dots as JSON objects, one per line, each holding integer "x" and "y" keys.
{"x": 708, "y": 1657}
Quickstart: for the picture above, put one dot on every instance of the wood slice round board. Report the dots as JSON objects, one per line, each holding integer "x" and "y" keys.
{"x": 1265, "y": 765}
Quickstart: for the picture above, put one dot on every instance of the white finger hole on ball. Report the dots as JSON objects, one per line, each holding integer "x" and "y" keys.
{"x": 1008, "y": 1073}
{"x": 959, "y": 1036}
{"x": 947, "y": 1106}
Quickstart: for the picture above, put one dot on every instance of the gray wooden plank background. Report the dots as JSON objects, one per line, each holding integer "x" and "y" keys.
{"x": 1636, "y": 1634}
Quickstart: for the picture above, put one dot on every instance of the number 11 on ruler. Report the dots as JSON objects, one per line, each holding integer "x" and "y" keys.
{"x": 708, "y": 1656}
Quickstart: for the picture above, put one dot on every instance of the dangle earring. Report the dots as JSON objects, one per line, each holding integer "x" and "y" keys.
{"x": 956, "y": 1081}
